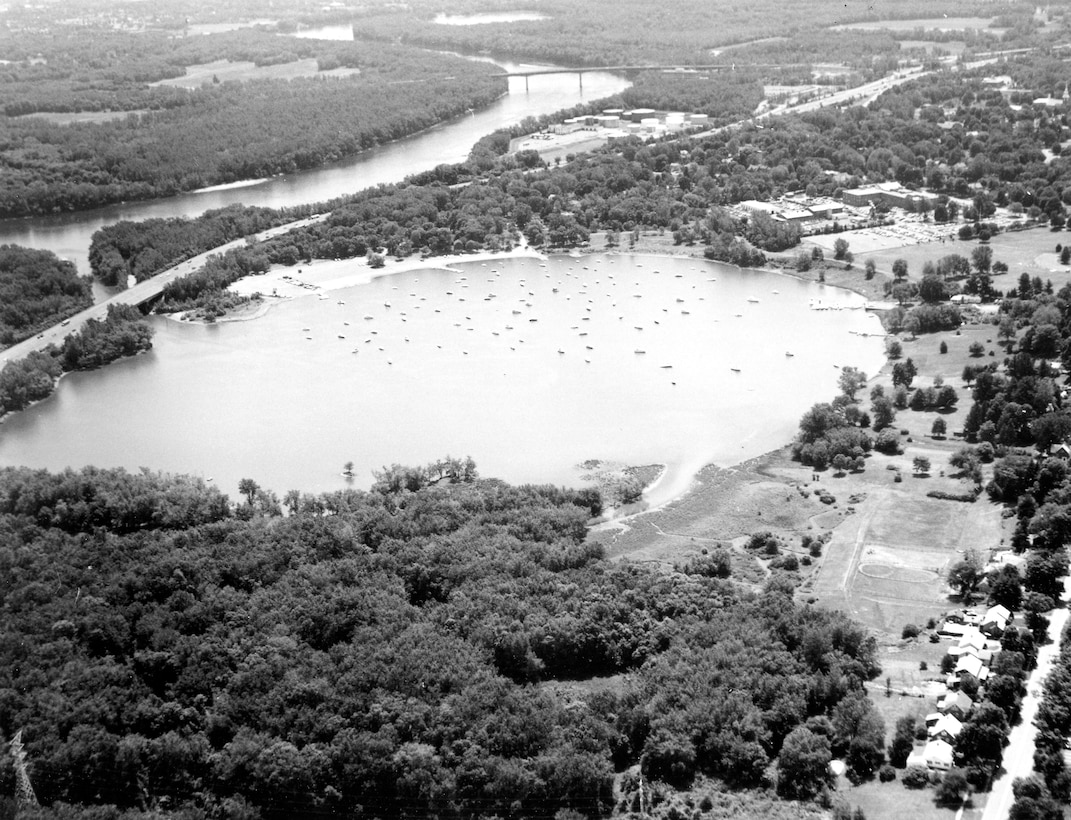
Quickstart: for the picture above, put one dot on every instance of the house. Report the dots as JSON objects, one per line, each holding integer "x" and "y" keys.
{"x": 947, "y": 728}
{"x": 972, "y": 642}
{"x": 995, "y": 621}
{"x": 958, "y": 704}
{"x": 1061, "y": 451}
{"x": 954, "y": 629}
{"x": 970, "y": 665}
{"x": 938, "y": 755}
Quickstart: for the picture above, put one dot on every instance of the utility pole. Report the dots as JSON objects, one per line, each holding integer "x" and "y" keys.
{"x": 24, "y": 794}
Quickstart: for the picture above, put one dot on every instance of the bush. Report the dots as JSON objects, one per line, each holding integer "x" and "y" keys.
{"x": 886, "y": 773}
{"x": 944, "y": 347}
{"x": 788, "y": 562}
{"x": 953, "y": 784}
{"x": 888, "y": 442}
{"x": 916, "y": 777}
{"x": 909, "y": 631}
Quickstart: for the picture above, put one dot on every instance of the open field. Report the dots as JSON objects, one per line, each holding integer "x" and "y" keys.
{"x": 950, "y": 47}
{"x": 896, "y": 800}
{"x": 243, "y": 71}
{"x": 1030, "y": 251}
{"x": 927, "y": 24}
{"x": 72, "y": 117}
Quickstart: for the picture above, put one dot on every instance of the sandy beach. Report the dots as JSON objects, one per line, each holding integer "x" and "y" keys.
{"x": 324, "y": 275}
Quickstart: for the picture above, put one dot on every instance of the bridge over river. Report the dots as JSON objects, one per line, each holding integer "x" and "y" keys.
{"x": 682, "y": 70}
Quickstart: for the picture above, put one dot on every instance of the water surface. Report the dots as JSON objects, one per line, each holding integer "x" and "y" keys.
{"x": 529, "y": 368}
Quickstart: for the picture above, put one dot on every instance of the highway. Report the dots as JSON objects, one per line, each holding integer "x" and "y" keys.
{"x": 138, "y": 294}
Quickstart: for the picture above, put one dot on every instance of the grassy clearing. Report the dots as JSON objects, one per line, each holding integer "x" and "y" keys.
{"x": 892, "y": 801}
{"x": 68, "y": 117}
{"x": 1030, "y": 251}
{"x": 243, "y": 71}
{"x": 926, "y": 23}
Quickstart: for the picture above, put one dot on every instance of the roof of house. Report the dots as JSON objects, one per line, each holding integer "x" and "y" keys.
{"x": 938, "y": 751}
{"x": 960, "y": 700}
{"x": 997, "y": 612}
{"x": 970, "y": 664}
{"x": 947, "y": 724}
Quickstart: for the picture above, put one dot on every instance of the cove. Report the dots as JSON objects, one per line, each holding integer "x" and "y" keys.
{"x": 530, "y": 367}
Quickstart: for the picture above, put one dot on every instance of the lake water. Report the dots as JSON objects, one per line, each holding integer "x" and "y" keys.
{"x": 451, "y": 362}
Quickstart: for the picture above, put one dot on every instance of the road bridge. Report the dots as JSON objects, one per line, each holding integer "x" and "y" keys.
{"x": 682, "y": 70}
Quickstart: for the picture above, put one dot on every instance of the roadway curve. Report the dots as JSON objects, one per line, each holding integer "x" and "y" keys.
{"x": 136, "y": 295}
{"x": 1019, "y": 753}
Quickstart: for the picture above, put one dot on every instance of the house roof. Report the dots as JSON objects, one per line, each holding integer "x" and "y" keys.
{"x": 939, "y": 752}
{"x": 970, "y": 664}
{"x": 960, "y": 700}
{"x": 947, "y": 724}
{"x": 997, "y": 612}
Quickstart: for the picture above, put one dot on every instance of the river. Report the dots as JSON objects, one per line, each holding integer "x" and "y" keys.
{"x": 69, "y": 235}
{"x": 528, "y": 367}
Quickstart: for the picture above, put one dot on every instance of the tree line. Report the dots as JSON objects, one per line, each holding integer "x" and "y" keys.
{"x": 379, "y": 653}
{"x": 123, "y": 332}
{"x": 37, "y": 289}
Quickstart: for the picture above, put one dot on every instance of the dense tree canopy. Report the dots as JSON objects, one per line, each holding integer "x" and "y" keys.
{"x": 37, "y": 290}
{"x": 380, "y": 653}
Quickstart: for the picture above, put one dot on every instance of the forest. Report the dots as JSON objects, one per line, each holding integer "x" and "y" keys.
{"x": 631, "y": 32}
{"x": 37, "y": 290}
{"x": 221, "y": 132}
{"x": 123, "y": 332}
{"x": 386, "y": 654}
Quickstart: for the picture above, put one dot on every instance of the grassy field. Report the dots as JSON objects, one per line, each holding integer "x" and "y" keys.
{"x": 939, "y": 23}
{"x": 227, "y": 71}
{"x": 68, "y": 117}
{"x": 896, "y": 800}
{"x": 1030, "y": 251}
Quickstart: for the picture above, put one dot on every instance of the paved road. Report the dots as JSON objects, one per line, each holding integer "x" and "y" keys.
{"x": 141, "y": 292}
{"x": 1019, "y": 753}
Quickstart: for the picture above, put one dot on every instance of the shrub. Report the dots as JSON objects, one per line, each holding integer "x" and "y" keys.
{"x": 909, "y": 631}
{"x": 944, "y": 347}
{"x": 788, "y": 562}
{"x": 888, "y": 442}
{"x": 916, "y": 777}
{"x": 886, "y": 773}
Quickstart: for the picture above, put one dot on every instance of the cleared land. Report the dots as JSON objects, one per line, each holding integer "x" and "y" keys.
{"x": 73, "y": 117}
{"x": 926, "y": 24}
{"x": 243, "y": 71}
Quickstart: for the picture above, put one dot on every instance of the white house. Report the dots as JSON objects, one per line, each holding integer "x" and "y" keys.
{"x": 946, "y": 728}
